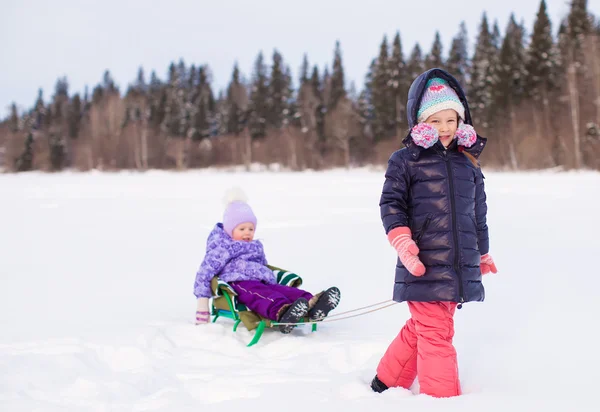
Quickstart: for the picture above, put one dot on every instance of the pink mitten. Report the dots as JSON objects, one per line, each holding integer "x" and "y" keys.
{"x": 401, "y": 239}
{"x": 487, "y": 265}
{"x": 202, "y": 314}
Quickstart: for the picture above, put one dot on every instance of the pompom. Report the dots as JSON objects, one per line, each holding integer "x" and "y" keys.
{"x": 234, "y": 194}
{"x": 424, "y": 135}
{"x": 466, "y": 135}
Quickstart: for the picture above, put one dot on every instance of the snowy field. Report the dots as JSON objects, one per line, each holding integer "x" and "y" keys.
{"x": 96, "y": 303}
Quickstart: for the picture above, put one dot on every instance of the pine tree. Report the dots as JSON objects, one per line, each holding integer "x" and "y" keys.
{"x": 182, "y": 74}
{"x": 510, "y": 88}
{"x": 512, "y": 73}
{"x": 60, "y": 100}
{"x": 563, "y": 43}
{"x": 543, "y": 74}
{"x": 39, "y": 113}
{"x": 399, "y": 83}
{"x": 434, "y": 58}
{"x": 483, "y": 76}
{"x": 291, "y": 110}
{"x": 278, "y": 89}
{"x": 86, "y": 99}
{"x": 108, "y": 84}
{"x": 74, "y": 116}
{"x": 304, "y": 70}
{"x": 57, "y": 133}
{"x": 221, "y": 114}
{"x": 315, "y": 80}
{"x": 308, "y": 106}
{"x": 337, "y": 78}
{"x": 237, "y": 101}
{"x": 176, "y": 119}
{"x": 202, "y": 106}
{"x": 192, "y": 82}
{"x": 458, "y": 58}
{"x": 157, "y": 99}
{"x": 415, "y": 64}
{"x": 13, "y": 120}
{"x": 140, "y": 83}
{"x": 326, "y": 90}
{"x": 171, "y": 118}
{"x": 578, "y": 23}
{"x": 259, "y": 95}
{"x": 318, "y": 89}
{"x": 24, "y": 162}
{"x": 382, "y": 96}
{"x": 542, "y": 57}
{"x": 365, "y": 106}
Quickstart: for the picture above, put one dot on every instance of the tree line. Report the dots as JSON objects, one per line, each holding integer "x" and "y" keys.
{"x": 535, "y": 95}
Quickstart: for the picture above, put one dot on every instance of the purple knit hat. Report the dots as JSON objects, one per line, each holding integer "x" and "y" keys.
{"x": 237, "y": 211}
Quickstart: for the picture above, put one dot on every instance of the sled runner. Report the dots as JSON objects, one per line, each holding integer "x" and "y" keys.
{"x": 225, "y": 304}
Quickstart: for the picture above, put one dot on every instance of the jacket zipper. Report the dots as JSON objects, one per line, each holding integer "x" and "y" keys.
{"x": 454, "y": 229}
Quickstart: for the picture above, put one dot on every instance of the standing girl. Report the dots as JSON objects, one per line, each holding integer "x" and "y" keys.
{"x": 433, "y": 208}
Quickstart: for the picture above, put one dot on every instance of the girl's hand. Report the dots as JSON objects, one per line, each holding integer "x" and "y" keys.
{"x": 202, "y": 313}
{"x": 487, "y": 265}
{"x": 401, "y": 239}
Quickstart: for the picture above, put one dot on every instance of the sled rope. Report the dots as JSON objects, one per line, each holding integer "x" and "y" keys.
{"x": 345, "y": 317}
{"x": 364, "y": 307}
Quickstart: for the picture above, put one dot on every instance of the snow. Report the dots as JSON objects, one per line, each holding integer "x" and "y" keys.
{"x": 97, "y": 310}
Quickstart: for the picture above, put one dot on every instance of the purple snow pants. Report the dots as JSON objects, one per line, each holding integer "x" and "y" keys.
{"x": 264, "y": 299}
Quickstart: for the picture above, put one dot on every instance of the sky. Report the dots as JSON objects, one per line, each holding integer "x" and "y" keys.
{"x": 41, "y": 41}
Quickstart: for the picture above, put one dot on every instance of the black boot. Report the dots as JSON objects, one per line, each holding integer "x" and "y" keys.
{"x": 377, "y": 385}
{"x": 292, "y": 314}
{"x": 325, "y": 303}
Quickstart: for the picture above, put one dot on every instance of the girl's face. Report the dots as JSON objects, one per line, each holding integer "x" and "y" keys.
{"x": 244, "y": 232}
{"x": 446, "y": 123}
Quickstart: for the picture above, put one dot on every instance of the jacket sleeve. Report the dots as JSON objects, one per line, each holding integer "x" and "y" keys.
{"x": 394, "y": 196}
{"x": 214, "y": 261}
{"x": 481, "y": 214}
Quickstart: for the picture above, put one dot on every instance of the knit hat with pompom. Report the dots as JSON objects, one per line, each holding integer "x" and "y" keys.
{"x": 439, "y": 96}
{"x": 237, "y": 210}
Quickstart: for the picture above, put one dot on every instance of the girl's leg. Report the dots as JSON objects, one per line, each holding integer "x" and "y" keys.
{"x": 437, "y": 366}
{"x": 263, "y": 299}
{"x": 398, "y": 367}
{"x": 290, "y": 292}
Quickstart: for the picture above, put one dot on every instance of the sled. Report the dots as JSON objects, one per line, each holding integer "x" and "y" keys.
{"x": 225, "y": 304}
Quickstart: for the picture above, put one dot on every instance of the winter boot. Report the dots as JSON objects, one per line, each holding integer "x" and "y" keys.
{"x": 292, "y": 314}
{"x": 377, "y": 385}
{"x": 322, "y": 303}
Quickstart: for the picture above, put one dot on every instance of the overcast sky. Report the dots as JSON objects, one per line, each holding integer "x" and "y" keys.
{"x": 41, "y": 40}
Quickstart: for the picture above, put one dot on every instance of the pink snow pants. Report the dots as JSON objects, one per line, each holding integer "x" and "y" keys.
{"x": 424, "y": 348}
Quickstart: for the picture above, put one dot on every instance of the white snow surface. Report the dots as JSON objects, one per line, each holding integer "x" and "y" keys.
{"x": 97, "y": 306}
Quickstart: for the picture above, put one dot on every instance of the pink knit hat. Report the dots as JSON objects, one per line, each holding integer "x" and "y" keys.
{"x": 439, "y": 96}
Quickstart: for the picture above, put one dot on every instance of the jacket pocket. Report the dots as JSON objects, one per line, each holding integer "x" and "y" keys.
{"x": 422, "y": 230}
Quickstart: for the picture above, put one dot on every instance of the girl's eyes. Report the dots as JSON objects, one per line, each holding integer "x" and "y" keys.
{"x": 437, "y": 121}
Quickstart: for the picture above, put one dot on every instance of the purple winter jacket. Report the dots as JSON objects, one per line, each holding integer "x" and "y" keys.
{"x": 231, "y": 260}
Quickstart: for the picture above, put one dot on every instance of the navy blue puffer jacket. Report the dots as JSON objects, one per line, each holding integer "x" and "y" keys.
{"x": 439, "y": 194}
